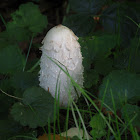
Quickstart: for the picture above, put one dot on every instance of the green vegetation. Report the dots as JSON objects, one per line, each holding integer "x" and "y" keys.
{"x": 109, "y": 35}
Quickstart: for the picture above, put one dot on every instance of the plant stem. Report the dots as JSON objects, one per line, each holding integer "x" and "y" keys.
{"x": 34, "y": 66}
{"x": 10, "y": 95}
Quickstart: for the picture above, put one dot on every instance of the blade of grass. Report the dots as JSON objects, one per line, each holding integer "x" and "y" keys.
{"x": 133, "y": 21}
{"x": 34, "y": 66}
{"x": 114, "y": 107}
{"x": 108, "y": 134}
{"x": 129, "y": 124}
{"x": 82, "y": 91}
{"x": 28, "y": 52}
{"x": 85, "y": 130}
{"x": 73, "y": 113}
{"x": 3, "y": 20}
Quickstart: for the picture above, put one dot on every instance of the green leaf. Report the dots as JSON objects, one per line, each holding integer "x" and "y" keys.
{"x": 134, "y": 62}
{"x": 77, "y": 24}
{"x": 98, "y": 126}
{"x": 28, "y": 16}
{"x": 35, "y": 110}
{"x": 87, "y": 51}
{"x": 134, "y": 57}
{"x": 11, "y": 130}
{"x": 18, "y": 93}
{"x": 98, "y": 134}
{"x": 8, "y": 128}
{"x": 24, "y": 80}
{"x": 11, "y": 59}
{"x": 103, "y": 66}
{"x": 75, "y": 138}
{"x": 5, "y": 103}
{"x": 86, "y": 6}
{"x": 15, "y": 33}
{"x": 114, "y": 20}
{"x": 121, "y": 59}
{"x": 122, "y": 86}
{"x": 90, "y": 78}
{"x": 100, "y": 45}
{"x": 5, "y": 85}
{"x": 96, "y": 47}
{"x": 129, "y": 111}
{"x": 103, "y": 45}
{"x": 97, "y": 122}
{"x": 3, "y": 41}
{"x": 129, "y": 58}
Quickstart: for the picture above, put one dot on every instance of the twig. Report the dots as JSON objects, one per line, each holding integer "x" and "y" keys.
{"x": 10, "y": 95}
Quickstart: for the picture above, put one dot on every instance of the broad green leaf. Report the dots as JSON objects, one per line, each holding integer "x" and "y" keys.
{"x": 11, "y": 59}
{"x": 98, "y": 47}
{"x": 97, "y": 122}
{"x": 98, "y": 126}
{"x": 121, "y": 59}
{"x": 18, "y": 92}
{"x": 75, "y": 138}
{"x": 98, "y": 133}
{"x": 135, "y": 62}
{"x": 87, "y": 51}
{"x": 114, "y": 20}
{"x": 103, "y": 44}
{"x": 16, "y": 33}
{"x": 91, "y": 78}
{"x": 129, "y": 112}
{"x": 3, "y": 41}
{"x": 134, "y": 57}
{"x": 80, "y": 24}
{"x": 5, "y": 103}
{"x": 129, "y": 58}
{"x": 29, "y": 17}
{"x": 103, "y": 66}
{"x": 11, "y": 130}
{"x": 120, "y": 87}
{"x": 36, "y": 109}
{"x": 86, "y": 6}
{"x": 5, "y": 85}
{"x": 8, "y": 128}
{"x": 24, "y": 80}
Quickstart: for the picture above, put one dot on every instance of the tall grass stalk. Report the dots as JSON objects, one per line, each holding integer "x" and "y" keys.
{"x": 114, "y": 107}
{"x": 84, "y": 93}
{"x": 75, "y": 120}
{"x": 28, "y": 52}
{"x": 81, "y": 120}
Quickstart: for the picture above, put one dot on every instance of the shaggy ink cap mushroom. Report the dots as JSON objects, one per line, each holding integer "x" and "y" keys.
{"x": 61, "y": 45}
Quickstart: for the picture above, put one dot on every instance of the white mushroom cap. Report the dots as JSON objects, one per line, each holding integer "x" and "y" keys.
{"x": 61, "y": 45}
